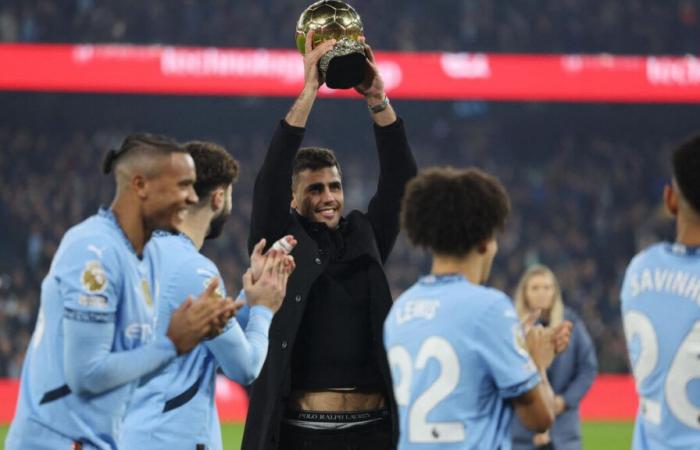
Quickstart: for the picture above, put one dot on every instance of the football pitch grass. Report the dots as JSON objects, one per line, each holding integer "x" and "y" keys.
{"x": 596, "y": 435}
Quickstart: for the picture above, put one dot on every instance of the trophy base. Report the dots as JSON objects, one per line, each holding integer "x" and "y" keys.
{"x": 345, "y": 72}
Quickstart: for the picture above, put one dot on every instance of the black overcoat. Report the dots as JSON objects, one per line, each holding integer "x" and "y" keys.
{"x": 371, "y": 234}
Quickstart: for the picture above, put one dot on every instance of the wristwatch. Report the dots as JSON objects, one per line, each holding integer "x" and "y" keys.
{"x": 379, "y": 107}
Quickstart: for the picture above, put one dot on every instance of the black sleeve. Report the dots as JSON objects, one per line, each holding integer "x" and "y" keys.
{"x": 272, "y": 191}
{"x": 396, "y": 166}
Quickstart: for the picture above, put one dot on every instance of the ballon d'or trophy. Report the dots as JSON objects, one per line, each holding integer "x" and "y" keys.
{"x": 344, "y": 65}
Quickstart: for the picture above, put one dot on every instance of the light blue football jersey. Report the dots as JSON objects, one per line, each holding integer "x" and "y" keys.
{"x": 97, "y": 278}
{"x": 457, "y": 355}
{"x": 174, "y": 408}
{"x": 661, "y": 315}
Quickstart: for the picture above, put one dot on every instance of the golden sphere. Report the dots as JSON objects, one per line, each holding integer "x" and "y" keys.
{"x": 329, "y": 19}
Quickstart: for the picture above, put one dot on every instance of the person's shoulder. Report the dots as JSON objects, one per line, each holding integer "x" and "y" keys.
{"x": 92, "y": 255}
{"x": 486, "y": 309}
{"x": 184, "y": 268}
{"x": 650, "y": 253}
{"x": 356, "y": 218}
{"x": 200, "y": 265}
{"x": 497, "y": 303}
{"x": 164, "y": 241}
{"x": 489, "y": 297}
{"x": 173, "y": 250}
{"x": 410, "y": 293}
{"x": 94, "y": 227}
{"x": 94, "y": 237}
{"x": 494, "y": 295}
{"x": 490, "y": 306}
{"x": 193, "y": 262}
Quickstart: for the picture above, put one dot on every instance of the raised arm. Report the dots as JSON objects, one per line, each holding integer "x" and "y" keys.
{"x": 396, "y": 162}
{"x": 272, "y": 191}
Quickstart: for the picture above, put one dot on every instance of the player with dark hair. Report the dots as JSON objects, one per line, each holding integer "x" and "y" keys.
{"x": 326, "y": 379}
{"x": 94, "y": 335}
{"x": 174, "y": 408}
{"x": 459, "y": 360}
{"x": 661, "y": 316}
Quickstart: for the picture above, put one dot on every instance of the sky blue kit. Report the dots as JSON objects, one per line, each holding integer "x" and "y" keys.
{"x": 661, "y": 315}
{"x": 94, "y": 338}
{"x": 457, "y": 354}
{"x": 174, "y": 407}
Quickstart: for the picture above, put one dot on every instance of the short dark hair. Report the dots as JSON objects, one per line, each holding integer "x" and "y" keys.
{"x": 145, "y": 143}
{"x": 313, "y": 158}
{"x": 215, "y": 167}
{"x": 451, "y": 211}
{"x": 686, "y": 170}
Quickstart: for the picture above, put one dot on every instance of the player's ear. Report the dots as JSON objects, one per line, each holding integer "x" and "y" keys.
{"x": 671, "y": 199}
{"x": 489, "y": 246}
{"x": 218, "y": 199}
{"x": 139, "y": 185}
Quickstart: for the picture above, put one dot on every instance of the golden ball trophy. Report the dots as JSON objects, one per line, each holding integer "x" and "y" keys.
{"x": 344, "y": 66}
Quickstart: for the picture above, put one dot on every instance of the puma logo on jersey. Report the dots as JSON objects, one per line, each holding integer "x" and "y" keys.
{"x": 96, "y": 250}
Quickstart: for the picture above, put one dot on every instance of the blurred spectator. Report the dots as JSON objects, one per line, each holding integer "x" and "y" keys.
{"x": 35, "y": 244}
{"x": 598, "y": 184}
{"x": 584, "y": 181}
{"x": 537, "y": 26}
{"x": 572, "y": 372}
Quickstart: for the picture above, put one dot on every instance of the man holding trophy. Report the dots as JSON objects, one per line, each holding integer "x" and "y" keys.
{"x": 326, "y": 382}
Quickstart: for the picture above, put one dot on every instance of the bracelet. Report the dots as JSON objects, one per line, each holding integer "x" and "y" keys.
{"x": 379, "y": 107}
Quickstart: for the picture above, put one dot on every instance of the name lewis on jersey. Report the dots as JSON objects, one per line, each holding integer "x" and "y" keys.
{"x": 417, "y": 309}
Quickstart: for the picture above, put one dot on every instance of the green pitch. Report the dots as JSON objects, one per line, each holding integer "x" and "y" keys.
{"x": 607, "y": 435}
{"x": 596, "y": 435}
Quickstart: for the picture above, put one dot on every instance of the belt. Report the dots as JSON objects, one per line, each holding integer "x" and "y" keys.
{"x": 337, "y": 417}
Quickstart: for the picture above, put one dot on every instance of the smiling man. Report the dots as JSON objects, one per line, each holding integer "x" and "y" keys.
{"x": 317, "y": 190}
{"x": 94, "y": 337}
{"x": 326, "y": 378}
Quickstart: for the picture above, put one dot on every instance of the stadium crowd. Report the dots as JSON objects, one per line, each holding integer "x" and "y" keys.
{"x": 584, "y": 200}
{"x": 573, "y": 26}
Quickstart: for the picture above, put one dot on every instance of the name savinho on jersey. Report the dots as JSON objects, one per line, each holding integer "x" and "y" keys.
{"x": 662, "y": 280}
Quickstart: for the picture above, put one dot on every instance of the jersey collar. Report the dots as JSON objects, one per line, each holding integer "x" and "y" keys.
{"x": 681, "y": 249}
{"x": 109, "y": 215}
{"x": 443, "y": 278}
{"x": 165, "y": 233}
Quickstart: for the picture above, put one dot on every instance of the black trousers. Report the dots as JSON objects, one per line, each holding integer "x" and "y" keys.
{"x": 373, "y": 436}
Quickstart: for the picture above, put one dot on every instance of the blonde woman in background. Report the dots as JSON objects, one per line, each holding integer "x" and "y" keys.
{"x": 572, "y": 372}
